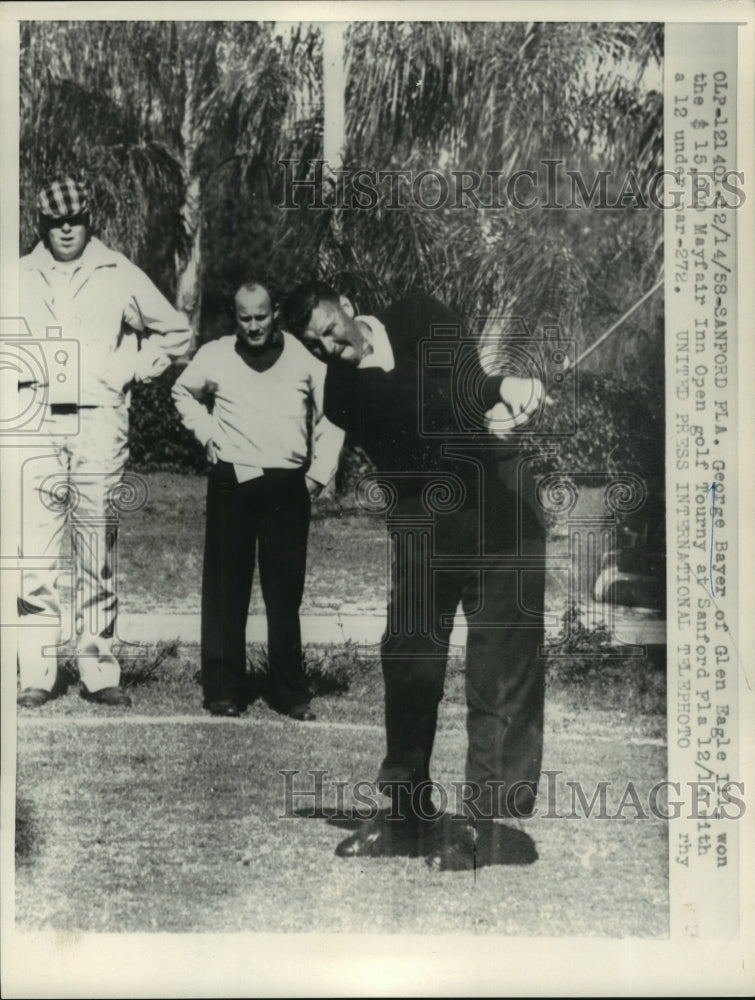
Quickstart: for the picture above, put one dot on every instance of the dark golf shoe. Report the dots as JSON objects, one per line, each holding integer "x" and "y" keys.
{"x": 113, "y": 697}
{"x": 464, "y": 845}
{"x": 383, "y": 837}
{"x": 33, "y": 697}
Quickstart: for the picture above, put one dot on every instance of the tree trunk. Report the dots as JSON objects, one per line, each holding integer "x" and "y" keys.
{"x": 189, "y": 266}
{"x": 334, "y": 114}
{"x": 334, "y": 87}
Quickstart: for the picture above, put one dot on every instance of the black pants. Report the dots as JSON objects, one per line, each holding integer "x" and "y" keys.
{"x": 271, "y": 514}
{"x": 490, "y": 558}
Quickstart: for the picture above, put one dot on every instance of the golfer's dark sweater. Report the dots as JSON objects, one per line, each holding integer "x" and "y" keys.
{"x": 436, "y": 395}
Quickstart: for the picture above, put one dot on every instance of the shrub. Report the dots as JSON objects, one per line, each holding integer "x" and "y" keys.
{"x": 616, "y": 427}
{"x": 158, "y": 441}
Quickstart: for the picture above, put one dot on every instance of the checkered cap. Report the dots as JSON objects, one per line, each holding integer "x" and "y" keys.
{"x": 63, "y": 198}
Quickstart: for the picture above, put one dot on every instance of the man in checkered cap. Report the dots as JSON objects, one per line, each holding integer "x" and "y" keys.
{"x": 123, "y": 331}
{"x": 63, "y": 199}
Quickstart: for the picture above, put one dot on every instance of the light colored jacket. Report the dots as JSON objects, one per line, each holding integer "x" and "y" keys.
{"x": 126, "y": 329}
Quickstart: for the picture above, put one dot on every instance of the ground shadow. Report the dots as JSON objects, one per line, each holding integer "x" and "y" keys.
{"x": 27, "y": 832}
{"x": 346, "y": 819}
{"x": 495, "y": 844}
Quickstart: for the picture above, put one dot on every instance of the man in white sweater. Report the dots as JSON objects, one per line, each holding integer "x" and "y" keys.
{"x": 254, "y": 399}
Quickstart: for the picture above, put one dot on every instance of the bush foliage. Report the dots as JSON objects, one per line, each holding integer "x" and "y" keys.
{"x": 158, "y": 441}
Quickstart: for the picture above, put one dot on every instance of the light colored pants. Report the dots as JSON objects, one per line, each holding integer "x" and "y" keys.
{"x": 68, "y": 520}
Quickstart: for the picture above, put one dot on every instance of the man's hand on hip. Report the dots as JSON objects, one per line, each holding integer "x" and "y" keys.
{"x": 313, "y": 488}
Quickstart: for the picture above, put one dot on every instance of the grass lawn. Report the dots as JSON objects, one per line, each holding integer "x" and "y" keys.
{"x": 176, "y": 826}
{"x": 160, "y": 553}
{"x": 163, "y": 819}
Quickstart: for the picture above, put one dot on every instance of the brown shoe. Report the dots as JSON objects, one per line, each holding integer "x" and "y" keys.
{"x": 113, "y": 697}
{"x": 33, "y": 697}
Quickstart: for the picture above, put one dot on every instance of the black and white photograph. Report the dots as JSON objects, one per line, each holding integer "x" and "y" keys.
{"x": 375, "y": 514}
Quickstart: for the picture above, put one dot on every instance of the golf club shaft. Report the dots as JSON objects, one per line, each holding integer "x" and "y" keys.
{"x": 613, "y": 327}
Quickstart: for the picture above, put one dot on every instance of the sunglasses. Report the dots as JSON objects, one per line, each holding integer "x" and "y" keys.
{"x": 82, "y": 219}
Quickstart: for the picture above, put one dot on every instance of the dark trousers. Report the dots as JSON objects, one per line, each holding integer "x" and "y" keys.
{"x": 467, "y": 558}
{"x": 269, "y": 514}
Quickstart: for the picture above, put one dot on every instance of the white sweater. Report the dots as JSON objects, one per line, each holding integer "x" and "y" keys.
{"x": 260, "y": 420}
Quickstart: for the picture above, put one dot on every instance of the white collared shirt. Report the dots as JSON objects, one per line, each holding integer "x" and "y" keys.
{"x": 382, "y": 352}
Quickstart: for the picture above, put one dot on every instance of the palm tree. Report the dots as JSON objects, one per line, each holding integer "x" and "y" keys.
{"x": 156, "y": 114}
{"x": 506, "y": 97}
{"x": 179, "y": 122}
{"x": 180, "y": 127}
{"x": 503, "y": 97}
